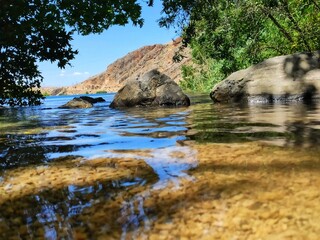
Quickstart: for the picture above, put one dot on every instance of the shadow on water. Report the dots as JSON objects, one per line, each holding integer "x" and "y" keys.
{"x": 129, "y": 208}
{"x": 36, "y": 141}
{"x": 60, "y": 214}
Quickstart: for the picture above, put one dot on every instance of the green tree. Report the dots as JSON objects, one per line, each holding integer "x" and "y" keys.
{"x": 224, "y": 35}
{"x": 229, "y": 35}
{"x": 41, "y": 30}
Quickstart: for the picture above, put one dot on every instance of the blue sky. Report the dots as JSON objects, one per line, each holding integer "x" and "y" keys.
{"x": 96, "y": 52}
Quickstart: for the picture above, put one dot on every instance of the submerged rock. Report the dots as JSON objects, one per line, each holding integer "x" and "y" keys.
{"x": 93, "y": 100}
{"x": 152, "y": 89}
{"x": 82, "y": 102}
{"x": 77, "y": 103}
{"x": 279, "y": 79}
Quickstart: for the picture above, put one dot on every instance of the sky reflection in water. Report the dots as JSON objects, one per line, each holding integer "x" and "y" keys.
{"x": 45, "y": 135}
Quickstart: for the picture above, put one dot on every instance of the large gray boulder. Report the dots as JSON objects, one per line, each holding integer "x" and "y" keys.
{"x": 152, "y": 89}
{"x": 279, "y": 79}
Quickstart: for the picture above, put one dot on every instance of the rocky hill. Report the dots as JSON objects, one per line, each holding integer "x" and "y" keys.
{"x": 158, "y": 56}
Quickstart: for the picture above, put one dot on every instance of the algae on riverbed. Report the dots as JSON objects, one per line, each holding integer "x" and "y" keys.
{"x": 237, "y": 191}
{"x": 161, "y": 173}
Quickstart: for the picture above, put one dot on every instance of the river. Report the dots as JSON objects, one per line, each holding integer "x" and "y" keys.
{"x": 202, "y": 172}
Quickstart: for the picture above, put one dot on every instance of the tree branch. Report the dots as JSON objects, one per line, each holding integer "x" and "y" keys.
{"x": 295, "y": 24}
{"x": 278, "y": 25}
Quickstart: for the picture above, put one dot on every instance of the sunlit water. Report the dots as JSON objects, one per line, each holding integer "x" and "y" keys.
{"x": 141, "y": 173}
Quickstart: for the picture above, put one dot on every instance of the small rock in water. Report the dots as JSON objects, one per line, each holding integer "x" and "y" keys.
{"x": 77, "y": 103}
{"x": 92, "y": 100}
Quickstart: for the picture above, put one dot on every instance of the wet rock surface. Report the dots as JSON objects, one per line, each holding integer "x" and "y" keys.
{"x": 152, "y": 89}
{"x": 77, "y": 103}
{"x": 93, "y": 100}
{"x": 280, "y": 79}
{"x": 82, "y": 102}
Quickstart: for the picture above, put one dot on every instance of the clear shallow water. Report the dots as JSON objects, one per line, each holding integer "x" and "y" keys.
{"x": 46, "y": 132}
{"x": 39, "y": 146}
{"x": 284, "y": 125}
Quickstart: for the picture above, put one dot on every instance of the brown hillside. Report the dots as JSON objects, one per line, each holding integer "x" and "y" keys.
{"x": 129, "y": 67}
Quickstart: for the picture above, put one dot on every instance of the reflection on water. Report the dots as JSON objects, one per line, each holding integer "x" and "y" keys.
{"x": 285, "y": 125}
{"x": 40, "y": 135}
{"x": 194, "y": 172}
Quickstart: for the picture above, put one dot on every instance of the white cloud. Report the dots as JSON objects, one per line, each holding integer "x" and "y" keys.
{"x": 62, "y": 73}
{"x": 80, "y": 73}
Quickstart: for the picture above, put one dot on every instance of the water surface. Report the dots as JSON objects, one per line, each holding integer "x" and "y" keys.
{"x": 169, "y": 173}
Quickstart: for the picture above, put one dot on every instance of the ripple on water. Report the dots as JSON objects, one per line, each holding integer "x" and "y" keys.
{"x": 133, "y": 173}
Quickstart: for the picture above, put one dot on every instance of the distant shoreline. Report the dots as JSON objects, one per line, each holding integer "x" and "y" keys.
{"x": 59, "y": 91}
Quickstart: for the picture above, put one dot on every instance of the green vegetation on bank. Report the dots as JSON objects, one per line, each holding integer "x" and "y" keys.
{"x": 226, "y": 36}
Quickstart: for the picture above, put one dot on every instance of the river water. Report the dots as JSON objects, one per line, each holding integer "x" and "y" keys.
{"x": 203, "y": 172}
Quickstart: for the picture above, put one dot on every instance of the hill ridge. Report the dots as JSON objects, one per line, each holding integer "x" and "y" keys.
{"x": 130, "y": 66}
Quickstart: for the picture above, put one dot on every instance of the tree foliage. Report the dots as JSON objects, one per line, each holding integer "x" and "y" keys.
{"x": 224, "y": 35}
{"x": 41, "y": 30}
{"x": 228, "y": 35}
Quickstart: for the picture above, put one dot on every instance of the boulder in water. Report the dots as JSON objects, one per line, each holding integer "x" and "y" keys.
{"x": 77, "y": 103}
{"x": 93, "y": 100}
{"x": 152, "y": 89}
